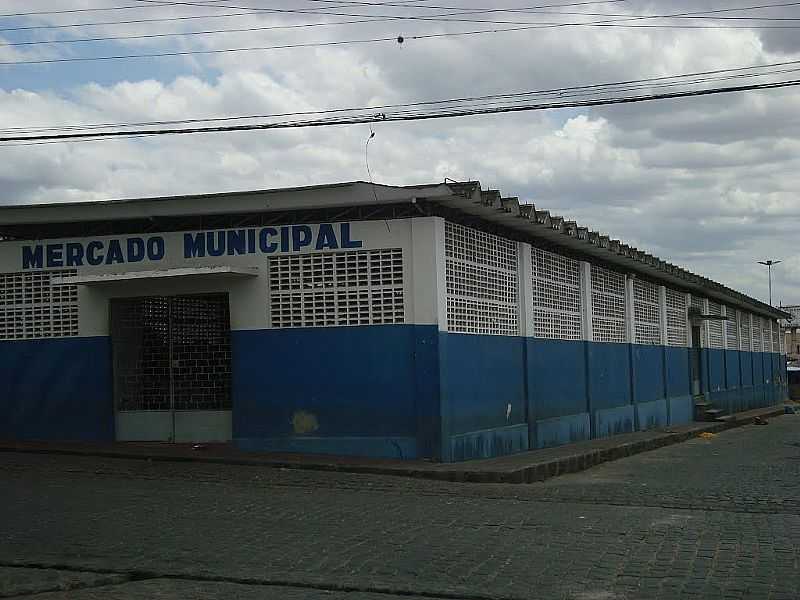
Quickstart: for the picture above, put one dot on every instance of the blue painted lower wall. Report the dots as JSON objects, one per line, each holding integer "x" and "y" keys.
{"x": 343, "y": 390}
{"x": 56, "y": 389}
{"x": 398, "y": 391}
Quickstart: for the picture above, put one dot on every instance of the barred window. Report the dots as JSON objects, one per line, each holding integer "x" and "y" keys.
{"x": 481, "y": 274}
{"x": 556, "y": 296}
{"x": 646, "y": 313}
{"x": 361, "y": 287}
{"x": 676, "y": 319}
{"x": 745, "y": 332}
{"x": 781, "y": 338}
{"x": 776, "y": 334}
{"x": 608, "y": 305}
{"x": 715, "y": 339}
{"x": 732, "y": 329}
{"x": 32, "y": 307}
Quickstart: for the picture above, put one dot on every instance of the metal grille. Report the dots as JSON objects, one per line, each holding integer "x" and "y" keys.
{"x": 362, "y": 287}
{"x": 171, "y": 353}
{"x": 732, "y": 329}
{"x": 481, "y": 273}
{"x": 31, "y": 307}
{"x": 781, "y": 337}
{"x": 556, "y": 296}
{"x": 699, "y": 304}
{"x": 715, "y": 338}
{"x": 201, "y": 353}
{"x": 646, "y": 312}
{"x": 745, "y": 332}
{"x": 608, "y": 305}
{"x": 676, "y": 319}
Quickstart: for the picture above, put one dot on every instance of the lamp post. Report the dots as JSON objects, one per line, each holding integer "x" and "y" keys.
{"x": 768, "y": 264}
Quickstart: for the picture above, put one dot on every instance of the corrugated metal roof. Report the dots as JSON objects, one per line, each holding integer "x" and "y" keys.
{"x": 468, "y": 198}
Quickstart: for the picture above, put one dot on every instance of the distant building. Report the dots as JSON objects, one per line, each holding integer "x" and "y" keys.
{"x": 792, "y": 332}
{"x": 439, "y": 321}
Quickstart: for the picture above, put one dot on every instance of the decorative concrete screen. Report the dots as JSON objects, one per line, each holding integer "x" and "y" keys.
{"x": 556, "y": 296}
{"x": 30, "y": 307}
{"x": 731, "y": 329}
{"x": 676, "y": 319}
{"x": 776, "y": 336}
{"x": 608, "y": 305}
{"x": 715, "y": 339}
{"x": 781, "y": 341}
{"x": 646, "y": 313}
{"x": 757, "y": 332}
{"x": 362, "y": 287}
{"x": 745, "y": 332}
{"x": 481, "y": 271}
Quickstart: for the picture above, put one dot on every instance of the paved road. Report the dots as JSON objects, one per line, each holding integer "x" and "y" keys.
{"x": 716, "y": 518}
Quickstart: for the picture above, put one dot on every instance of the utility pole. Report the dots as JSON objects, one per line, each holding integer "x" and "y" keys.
{"x": 768, "y": 264}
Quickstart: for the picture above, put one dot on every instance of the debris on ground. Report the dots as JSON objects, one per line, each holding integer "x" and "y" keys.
{"x": 707, "y": 435}
{"x": 760, "y": 421}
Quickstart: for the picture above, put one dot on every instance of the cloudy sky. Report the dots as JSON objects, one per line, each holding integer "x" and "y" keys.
{"x": 708, "y": 183}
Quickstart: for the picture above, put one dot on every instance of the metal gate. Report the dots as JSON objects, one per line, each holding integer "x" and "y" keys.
{"x": 172, "y": 368}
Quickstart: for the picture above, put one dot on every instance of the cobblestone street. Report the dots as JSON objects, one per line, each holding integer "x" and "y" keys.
{"x": 709, "y": 518}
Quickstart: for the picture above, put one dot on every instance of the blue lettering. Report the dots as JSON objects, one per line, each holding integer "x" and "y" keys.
{"x": 114, "y": 254}
{"x": 217, "y": 249}
{"x": 74, "y": 254}
{"x": 251, "y": 241}
{"x": 284, "y": 239}
{"x": 194, "y": 245}
{"x": 135, "y": 249}
{"x": 236, "y": 241}
{"x": 264, "y": 244}
{"x": 32, "y": 258}
{"x": 345, "y": 237}
{"x": 298, "y": 240}
{"x": 155, "y": 248}
{"x": 326, "y": 239}
{"x": 91, "y": 253}
{"x": 55, "y": 255}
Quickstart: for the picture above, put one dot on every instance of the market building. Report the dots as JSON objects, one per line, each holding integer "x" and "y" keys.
{"x": 438, "y": 321}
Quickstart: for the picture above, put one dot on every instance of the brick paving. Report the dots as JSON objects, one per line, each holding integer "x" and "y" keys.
{"x": 716, "y": 518}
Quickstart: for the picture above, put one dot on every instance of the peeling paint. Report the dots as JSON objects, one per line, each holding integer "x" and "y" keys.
{"x": 304, "y": 422}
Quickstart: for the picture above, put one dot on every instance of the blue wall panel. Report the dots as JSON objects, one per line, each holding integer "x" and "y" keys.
{"x": 613, "y": 421}
{"x": 649, "y": 386}
{"x": 746, "y": 365}
{"x": 56, "y": 389}
{"x": 482, "y": 390}
{"x": 680, "y": 405}
{"x": 556, "y": 378}
{"x": 562, "y": 430}
{"x": 732, "y": 369}
{"x": 609, "y": 375}
{"x": 716, "y": 370}
{"x": 301, "y": 387}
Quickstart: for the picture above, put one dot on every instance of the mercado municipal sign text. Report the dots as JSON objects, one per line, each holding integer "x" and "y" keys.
{"x": 227, "y": 242}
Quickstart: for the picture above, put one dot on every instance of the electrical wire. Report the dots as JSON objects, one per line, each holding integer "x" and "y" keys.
{"x": 385, "y": 118}
{"x": 692, "y": 78}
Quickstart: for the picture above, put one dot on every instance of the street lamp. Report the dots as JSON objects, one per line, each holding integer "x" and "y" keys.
{"x": 769, "y": 264}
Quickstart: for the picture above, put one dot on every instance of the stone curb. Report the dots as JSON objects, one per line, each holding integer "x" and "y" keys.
{"x": 537, "y": 471}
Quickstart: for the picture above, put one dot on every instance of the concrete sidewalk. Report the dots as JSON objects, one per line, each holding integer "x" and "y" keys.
{"x": 524, "y": 467}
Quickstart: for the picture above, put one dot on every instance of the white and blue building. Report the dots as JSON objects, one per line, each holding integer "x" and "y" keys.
{"x": 439, "y": 321}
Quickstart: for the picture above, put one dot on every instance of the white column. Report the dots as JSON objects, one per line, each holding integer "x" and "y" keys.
{"x": 662, "y": 312}
{"x": 706, "y": 325}
{"x": 724, "y": 310}
{"x": 525, "y": 289}
{"x": 630, "y": 319}
{"x": 428, "y": 286}
{"x": 688, "y": 321}
{"x": 586, "y": 301}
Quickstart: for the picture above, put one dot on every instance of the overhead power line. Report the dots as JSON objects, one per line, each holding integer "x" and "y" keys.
{"x": 691, "y": 78}
{"x": 389, "y": 117}
{"x": 391, "y": 39}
